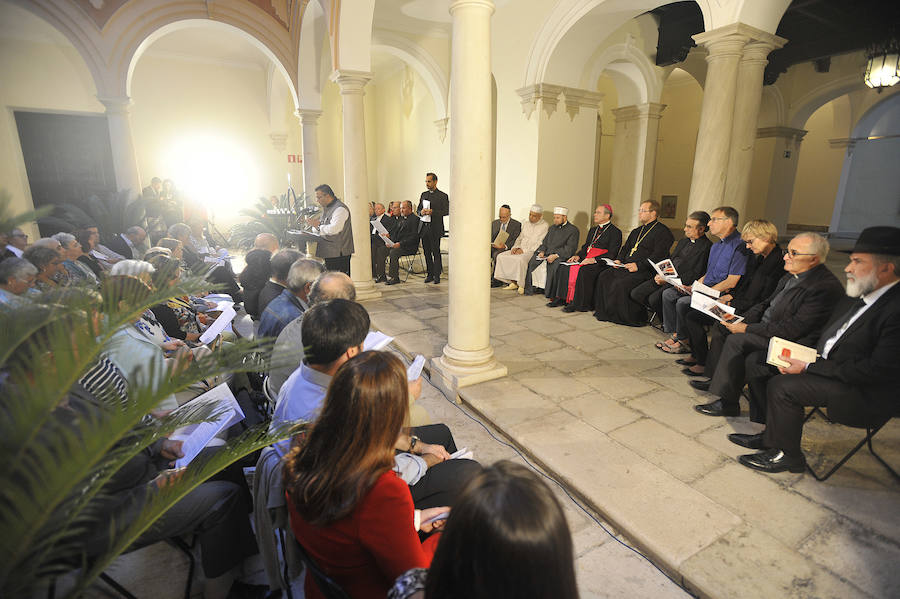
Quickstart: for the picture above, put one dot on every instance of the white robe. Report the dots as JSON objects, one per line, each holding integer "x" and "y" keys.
{"x": 512, "y": 267}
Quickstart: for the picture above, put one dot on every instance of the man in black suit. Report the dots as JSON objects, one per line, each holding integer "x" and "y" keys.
{"x": 129, "y": 244}
{"x": 405, "y": 240}
{"x": 512, "y": 228}
{"x": 796, "y": 311}
{"x": 432, "y": 229}
{"x": 602, "y": 236}
{"x": 857, "y": 371}
{"x": 380, "y": 249}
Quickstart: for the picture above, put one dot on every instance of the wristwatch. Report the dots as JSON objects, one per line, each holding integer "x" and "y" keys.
{"x": 412, "y": 442}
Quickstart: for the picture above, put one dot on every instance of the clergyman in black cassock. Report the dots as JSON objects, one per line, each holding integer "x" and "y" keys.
{"x": 612, "y": 291}
{"x": 561, "y": 240}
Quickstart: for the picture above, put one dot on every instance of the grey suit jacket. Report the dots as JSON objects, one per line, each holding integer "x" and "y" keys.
{"x": 514, "y": 228}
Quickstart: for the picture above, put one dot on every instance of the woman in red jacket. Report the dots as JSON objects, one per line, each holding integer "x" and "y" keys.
{"x": 349, "y": 510}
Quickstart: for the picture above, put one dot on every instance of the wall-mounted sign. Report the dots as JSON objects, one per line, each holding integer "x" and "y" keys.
{"x": 294, "y": 158}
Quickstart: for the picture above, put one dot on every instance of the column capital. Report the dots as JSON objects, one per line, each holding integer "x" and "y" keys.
{"x": 441, "y": 125}
{"x": 351, "y": 82}
{"x": 308, "y": 116}
{"x": 578, "y": 98}
{"x": 463, "y": 4}
{"x": 116, "y": 105}
{"x": 650, "y": 110}
{"x": 546, "y": 93}
{"x": 734, "y": 38}
{"x": 758, "y": 50}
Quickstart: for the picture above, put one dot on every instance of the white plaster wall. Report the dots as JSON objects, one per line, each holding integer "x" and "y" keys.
{"x": 176, "y": 100}
{"x": 408, "y": 142}
{"x": 677, "y": 144}
{"x": 818, "y": 170}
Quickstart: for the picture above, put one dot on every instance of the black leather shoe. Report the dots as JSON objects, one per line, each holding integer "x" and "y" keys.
{"x": 392, "y": 282}
{"x": 748, "y": 441}
{"x": 437, "y": 280}
{"x": 772, "y": 461}
{"x": 717, "y": 408}
{"x": 569, "y": 308}
{"x": 685, "y": 361}
{"x": 429, "y": 279}
{"x": 381, "y": 279}
{"x": 556, "y": 303}
{"x": 700, "y": 385}
{"x": 496, "y": 283}
{"x": 690, "y": 372}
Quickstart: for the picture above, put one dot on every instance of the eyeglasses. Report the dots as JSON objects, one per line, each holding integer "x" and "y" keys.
{"x": 719, "y": 218}
{"x": 795, "y": 253}
{"x": 643, "y": 211}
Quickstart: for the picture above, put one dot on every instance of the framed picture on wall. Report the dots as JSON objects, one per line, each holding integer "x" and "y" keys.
{"x": 668, "y": 206}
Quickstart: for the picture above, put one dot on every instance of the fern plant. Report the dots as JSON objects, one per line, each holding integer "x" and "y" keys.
{"x": 54, "y": 463}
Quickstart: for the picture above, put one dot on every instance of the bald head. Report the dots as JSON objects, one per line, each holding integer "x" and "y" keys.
{"x": 332, "y": 285}
{"x": 266, "y": 241}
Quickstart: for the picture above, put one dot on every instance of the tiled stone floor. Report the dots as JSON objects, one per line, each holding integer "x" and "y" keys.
{"x": 611, "y": 417}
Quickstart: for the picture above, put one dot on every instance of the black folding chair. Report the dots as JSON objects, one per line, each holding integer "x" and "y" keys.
{"x": 328, "y": 587}
{"x": 870, "y": 422}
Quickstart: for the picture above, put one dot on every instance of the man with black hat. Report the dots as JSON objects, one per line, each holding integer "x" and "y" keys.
{"x": 858, "y": 349}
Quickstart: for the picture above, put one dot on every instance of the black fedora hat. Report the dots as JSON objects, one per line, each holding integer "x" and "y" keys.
{"x": 878, "y": 240}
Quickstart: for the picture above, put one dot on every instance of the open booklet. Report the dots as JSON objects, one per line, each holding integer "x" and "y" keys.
{"x": 376, "y": 340}
{"x": 613, "y": 263}
{"x": 666, "y": 269}
{"x": 382, "y": 232}
{"x": 711, "y": 307}
{"x": 222, "y": 323}
{"x": 207, "y": 434}
{"x": 501, "y": 237}
{"x": 782, "y": 348}
{"x": 414, "y": 371}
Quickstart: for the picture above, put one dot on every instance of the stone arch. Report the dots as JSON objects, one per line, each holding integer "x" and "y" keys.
{"x": 817, "y": 97}
{"x": 81, "y": 32}
{"x": 870, "y": 118}
{"x": 627, "y": 63}
{"x": 567, "y": 13}
{"x": 422, "y": 62}
{"x": 311, "y": 74}
{"x": 138, "y": 24}
{"x": 350, "y": 28}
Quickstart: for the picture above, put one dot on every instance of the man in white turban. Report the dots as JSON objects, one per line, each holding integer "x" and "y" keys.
{"x": 560, "y": 242}
{"x": 510, "y": 265}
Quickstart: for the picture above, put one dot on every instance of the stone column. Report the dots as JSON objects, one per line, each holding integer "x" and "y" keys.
{"x": 310, "y": 141}
{"x": 356, "y": 177}
{"x": 634, "y": 159}
{"x": 725, "y": 47}
{"x": 468, "y": 357}
{"x": 746, "y": 114}
{"x": 785, "y": 157}
{"x": 121, "y": 143}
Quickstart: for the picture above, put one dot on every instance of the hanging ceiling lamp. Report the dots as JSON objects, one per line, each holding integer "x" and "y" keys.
{"x": 883, "y": 65}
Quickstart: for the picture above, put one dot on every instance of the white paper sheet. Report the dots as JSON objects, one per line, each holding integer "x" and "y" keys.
{"x": 711, "y": 307}
{"x": 708, "y": 291}
{"x": 376, "y": 340}
{"x": 197, "y": 436}
{"x": 426, "y": 218}
{"x": 612, "y": 263}
{"x": 782, "y": 348}
{"x": 221, "y": 323}
{"x": 379, "y": 228}
{"x": 415, "y": 369}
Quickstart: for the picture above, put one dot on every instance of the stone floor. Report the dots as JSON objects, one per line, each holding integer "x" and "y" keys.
{"x": 611, "y": 417}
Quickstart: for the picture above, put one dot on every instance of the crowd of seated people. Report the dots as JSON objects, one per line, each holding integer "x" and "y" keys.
{"x": 369, "y": 483}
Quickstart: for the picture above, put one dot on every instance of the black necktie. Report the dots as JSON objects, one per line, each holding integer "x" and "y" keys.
{"x": 837, "y": 324}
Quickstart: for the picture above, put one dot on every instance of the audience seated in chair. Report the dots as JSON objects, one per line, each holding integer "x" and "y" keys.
{"x": 70, "y": 250}
{"x": 405, "y": 241}
{"x": 49, "y": 265}
{"x": 511, "y": 266}
{"x": 560, "y": 242}
{"x": 511, "y": 228}
{"x": 292, "y": 302}
{"x": 380, "y": 249}
{"x": 257, "y": 271}
{"x": 858, "y": 364}
{"x": 349, "y": 511}
{"x": 506, "y": 537}
{"x": 279, "y": 267}
{"x": 17, "y": 276}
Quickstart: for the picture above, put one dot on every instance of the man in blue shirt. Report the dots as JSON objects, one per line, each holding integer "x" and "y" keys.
{"x": 292, "y": 301}
{"x": 726, "y": 265}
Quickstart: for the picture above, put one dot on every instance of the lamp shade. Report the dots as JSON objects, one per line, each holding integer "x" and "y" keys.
{"x": 883, "y": 70}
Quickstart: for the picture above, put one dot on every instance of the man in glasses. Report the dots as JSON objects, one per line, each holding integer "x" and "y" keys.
{"x": 16, "y": 242}
{"x": 797, "y": 311}
{"x": 857, "y": 371}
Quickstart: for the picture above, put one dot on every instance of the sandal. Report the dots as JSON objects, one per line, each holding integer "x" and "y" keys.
{"x": 681, "y": 348}
{"x": 667, "y": 343}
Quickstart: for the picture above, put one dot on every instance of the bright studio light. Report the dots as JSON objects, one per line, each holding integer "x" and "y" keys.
{"x": 213, "y": 171}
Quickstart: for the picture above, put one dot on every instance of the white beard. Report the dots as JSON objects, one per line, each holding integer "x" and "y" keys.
{"x": 861, "y": 286}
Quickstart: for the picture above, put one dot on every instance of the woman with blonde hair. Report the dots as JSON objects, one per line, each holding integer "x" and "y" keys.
{"x": 351, "y": 513}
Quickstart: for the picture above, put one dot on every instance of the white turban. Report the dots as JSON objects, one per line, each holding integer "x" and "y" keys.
{"x": 561, "y": 210}
{"x": 537, "y": 208}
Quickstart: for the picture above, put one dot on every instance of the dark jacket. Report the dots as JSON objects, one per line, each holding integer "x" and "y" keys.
{"x": 407, "y": 234}
{"x": 802, "y": 312}
{"x": 121, "y": 247}
{"x": 440, "y": 207}
{"x": 254, "y": 277}
{"x": 690, "y": 259}
{"x": 866, "y": 354}
{"x": 760, "y": 280}
{"x": 654, "y": 246}
{"x": 270, "y": 291}
{"x": 513, "y": 228}
{"x": 610, "y": 239}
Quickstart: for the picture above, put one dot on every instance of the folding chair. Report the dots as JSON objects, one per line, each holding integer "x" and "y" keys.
{"x": 329, "y": 588}
{"x": 871, "y": 423}
{"x": 411, "y": 260}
